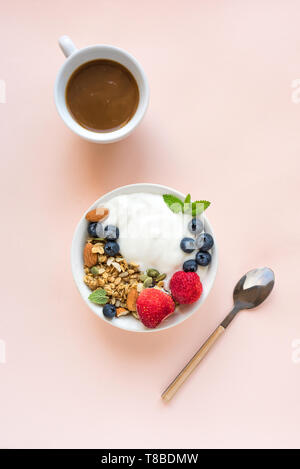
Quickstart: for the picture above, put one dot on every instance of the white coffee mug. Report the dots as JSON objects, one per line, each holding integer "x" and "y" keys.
{"x": 77, "y": 57}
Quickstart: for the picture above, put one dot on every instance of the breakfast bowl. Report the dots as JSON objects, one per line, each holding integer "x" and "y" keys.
{"x": 161, "y": 252}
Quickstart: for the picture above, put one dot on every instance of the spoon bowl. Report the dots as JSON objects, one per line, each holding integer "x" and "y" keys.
{"x": 253, "y": 288}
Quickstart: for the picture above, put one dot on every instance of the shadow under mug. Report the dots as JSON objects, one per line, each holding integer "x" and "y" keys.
{"x": 77, "y": 57}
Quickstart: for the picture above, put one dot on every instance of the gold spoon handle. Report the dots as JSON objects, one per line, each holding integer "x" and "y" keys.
{"x": 194, "y": 361}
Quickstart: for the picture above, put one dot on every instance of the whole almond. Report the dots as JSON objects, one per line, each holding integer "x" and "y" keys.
{"x": 131, "y": 299}
{"x": 90, "y": 258}
{"x": 98, "y": 214}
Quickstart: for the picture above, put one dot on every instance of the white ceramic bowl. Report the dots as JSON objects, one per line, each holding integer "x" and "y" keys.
{"x": 129, "y": 323}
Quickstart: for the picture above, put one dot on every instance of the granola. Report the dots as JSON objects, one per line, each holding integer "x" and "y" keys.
{"x": 120, "y": 279}
{"x": 114, "y": 274}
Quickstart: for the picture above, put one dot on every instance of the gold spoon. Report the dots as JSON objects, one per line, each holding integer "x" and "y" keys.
{"x": 251, "y": 290}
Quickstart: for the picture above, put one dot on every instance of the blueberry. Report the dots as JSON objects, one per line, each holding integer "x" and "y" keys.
{"x": 203, "y": 258}
{"x": 195, "y": 226}
{"x": 190, "y": 266}
{"x": 92, "y": 229}
{"x": 95, "y": 230}
{"x": 187, "y": 245}
{"x": 111, "y": 248}
{"x": 109, "y": 311}
{"x": 111, "y": 232}
{"x": 205, "y": 241}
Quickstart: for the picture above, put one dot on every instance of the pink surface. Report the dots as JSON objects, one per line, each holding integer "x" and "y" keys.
{"x": 221, "y": 125}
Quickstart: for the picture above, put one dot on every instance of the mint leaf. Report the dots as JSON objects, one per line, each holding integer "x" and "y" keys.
{"x": 199, "y": 206}
{"x": 99, "y": 297}
{"x": 187, "y": 200}
{"x": 189, "y": 207}
{"x": 173, "y": 202}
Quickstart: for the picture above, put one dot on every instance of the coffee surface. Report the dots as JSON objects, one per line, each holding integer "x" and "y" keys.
{"x": 102, "y": 95}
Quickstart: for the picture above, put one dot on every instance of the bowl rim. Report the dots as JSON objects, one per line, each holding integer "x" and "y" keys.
{"x": 80, "y": 284}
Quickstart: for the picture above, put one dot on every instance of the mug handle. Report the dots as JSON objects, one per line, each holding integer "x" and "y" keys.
{"x": 67, "y": 45}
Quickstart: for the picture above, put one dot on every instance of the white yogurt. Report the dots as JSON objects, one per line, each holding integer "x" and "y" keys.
{"x": 150, "y": 233}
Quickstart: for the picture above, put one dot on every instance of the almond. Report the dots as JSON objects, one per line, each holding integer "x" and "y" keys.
{"x": 98, "y": 214}
{"x": 131, "y": 299}
{"x": 121, "y": 312}
{"x": 90, "y": 258}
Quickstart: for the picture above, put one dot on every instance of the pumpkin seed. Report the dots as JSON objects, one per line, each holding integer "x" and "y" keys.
{"x": 148, "y": 282}
{"x": 94, "y": 270}
{"x": 152, "y": 273}
{"x": 160, "y": 277}
{"x": 143, "y": 277}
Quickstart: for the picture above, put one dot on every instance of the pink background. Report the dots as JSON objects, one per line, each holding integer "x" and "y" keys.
{"x": 221, "y": 125}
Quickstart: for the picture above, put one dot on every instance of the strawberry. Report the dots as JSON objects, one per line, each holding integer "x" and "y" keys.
{"x": 186, "y": 287}
{"x": 153, "y": 306}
